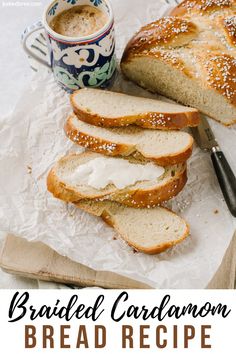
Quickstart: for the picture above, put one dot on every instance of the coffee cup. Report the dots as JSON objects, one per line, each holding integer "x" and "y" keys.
{"x": 77, "y": 61}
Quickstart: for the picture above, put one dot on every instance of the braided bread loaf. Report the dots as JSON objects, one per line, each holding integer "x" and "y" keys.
{"x": 190, "y": 57}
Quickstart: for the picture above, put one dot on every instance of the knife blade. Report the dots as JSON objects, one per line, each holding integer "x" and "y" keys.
{"x": 206, "y": 140}
{"x": 204, "y": 136}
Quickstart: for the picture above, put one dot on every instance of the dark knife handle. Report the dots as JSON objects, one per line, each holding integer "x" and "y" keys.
{"x": 226, "y": 179}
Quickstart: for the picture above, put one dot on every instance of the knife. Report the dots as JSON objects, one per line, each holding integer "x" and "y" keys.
{"x": 205, "y": 138}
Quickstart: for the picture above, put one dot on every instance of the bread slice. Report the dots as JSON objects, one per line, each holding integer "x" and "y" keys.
{"x": 146, "y": 230}
{"x": 163, "y": 147}
{"x": 141, "y": 194}
{"x": 111, "y": 109}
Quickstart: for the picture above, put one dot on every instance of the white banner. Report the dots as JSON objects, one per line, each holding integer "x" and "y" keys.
{"x": 100, "y": 321}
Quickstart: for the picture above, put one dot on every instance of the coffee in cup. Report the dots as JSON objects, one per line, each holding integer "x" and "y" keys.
{"x": 79, "y": 21}
{"x": 81, "y": 43}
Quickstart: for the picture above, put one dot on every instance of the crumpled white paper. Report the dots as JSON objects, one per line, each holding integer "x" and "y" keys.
{"x": 32, "y": 139}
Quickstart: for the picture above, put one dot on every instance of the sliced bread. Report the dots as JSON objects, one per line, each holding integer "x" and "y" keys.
{"x": 61, "y": 184}
{"x": 111, "y": 109}
{"x": 146, "y": 230}
{"x": 163, "y": 147}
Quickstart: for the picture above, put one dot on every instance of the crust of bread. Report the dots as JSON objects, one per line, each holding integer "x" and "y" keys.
{"x": 107, "y": 217}
{"x": 208, "y": 59}
{"x": 108, "y": 148}
{"x": 220, "y": 71}
{"x": 149, "y": 120}
{"x": 200, "y": 6}
{"x": 135, "y": 198}
{"x": 229, "y": 26}
{"x": 166, "y": 31}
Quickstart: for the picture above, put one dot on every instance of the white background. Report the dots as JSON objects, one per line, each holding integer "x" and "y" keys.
{"x": 222, "y": 331}
{"x": 14, "y": 68}
{"x": 15, "y": 73}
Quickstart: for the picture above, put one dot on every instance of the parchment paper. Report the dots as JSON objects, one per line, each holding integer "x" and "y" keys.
{"x": 32, "y": 139}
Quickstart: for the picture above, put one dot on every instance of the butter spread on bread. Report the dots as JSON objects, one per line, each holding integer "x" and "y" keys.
{"x": 138, "y": 195}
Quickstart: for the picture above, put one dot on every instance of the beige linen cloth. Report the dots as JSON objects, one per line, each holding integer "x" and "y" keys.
{"x": 225, "y": 277}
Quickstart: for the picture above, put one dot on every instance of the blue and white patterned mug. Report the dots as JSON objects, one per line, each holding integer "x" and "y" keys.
{"x": 78, "y": 62}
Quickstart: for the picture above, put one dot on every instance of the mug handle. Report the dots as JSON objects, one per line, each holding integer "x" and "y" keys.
{"x": 27, "y": 33}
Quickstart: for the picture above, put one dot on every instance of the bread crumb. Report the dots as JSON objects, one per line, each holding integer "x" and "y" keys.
{"x": 29, "y": 170}
{"x": 216, "y": 211}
